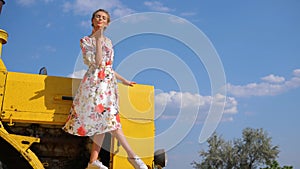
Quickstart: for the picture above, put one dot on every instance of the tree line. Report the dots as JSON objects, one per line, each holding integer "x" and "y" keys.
{"x": 253, "y": 151}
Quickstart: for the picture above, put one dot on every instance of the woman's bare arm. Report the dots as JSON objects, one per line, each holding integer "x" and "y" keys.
{"x": 123, "y": 80}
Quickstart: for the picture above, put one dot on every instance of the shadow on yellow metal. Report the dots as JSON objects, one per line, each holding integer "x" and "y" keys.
{"x": 35, "y": 98}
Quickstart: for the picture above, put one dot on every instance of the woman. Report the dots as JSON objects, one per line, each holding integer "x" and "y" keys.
{"x": 95, "y": 107}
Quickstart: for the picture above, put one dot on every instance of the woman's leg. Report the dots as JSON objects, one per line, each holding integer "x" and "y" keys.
{"x": 132, "y": 158}
{"x": 122, "y": 139}
{"x": 96, "y": 147}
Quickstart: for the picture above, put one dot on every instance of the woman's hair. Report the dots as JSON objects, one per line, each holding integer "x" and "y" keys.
{"x": 102, "y": 10}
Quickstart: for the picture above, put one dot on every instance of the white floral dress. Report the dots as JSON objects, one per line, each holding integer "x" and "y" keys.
{"x": 95, "y": 106}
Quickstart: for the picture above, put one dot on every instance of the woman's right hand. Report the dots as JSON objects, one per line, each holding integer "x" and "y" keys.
{"x": 98, "y": 34}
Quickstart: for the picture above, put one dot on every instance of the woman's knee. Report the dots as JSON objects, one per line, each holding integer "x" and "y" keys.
{"x": 115, "y": 132}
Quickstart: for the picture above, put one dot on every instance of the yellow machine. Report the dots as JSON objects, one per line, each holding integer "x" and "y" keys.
{"x": 34, "y": 107}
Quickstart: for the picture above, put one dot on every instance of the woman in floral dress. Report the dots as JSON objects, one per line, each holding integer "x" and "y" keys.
{"x": 95, "y": 107}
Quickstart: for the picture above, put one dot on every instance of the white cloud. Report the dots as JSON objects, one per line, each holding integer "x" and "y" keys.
{"x": 227, "y": 119}
{"x": 48, "y": 25}
{"x": 25, "y": 2}
{"x": 273, "y": 79}
{"x": 50, "y": 48}
{"x": 296, "y": 72}
{"x": 87, "y": 7}
{"x": 186, "y": 99}
{"x": 191, "y": 108}
{"x": 157, "y": 6}
{"x": 135, "y": 19}
{"x": 231, "y": 105}
{"x": 31, "y": 2}
{"x": 178, "y": 99}
{"x": 120, "y": 12}
{"x": 271, "y": 85}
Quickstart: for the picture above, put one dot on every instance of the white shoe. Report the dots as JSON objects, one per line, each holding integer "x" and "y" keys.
{"x": 137, "y": 163}
{"x": 96, "y": 165}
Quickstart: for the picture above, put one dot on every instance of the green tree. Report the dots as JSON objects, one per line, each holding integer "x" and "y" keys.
{"x": 253, "y": 150}
{"x": 274, "y": 165}
{"x": 220, "y": 154}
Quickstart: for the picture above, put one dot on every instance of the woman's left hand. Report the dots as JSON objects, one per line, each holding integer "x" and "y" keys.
{"x": 128, "y": 83}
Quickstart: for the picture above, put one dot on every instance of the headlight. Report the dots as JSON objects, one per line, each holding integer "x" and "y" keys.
{"x": 160, "y": 158}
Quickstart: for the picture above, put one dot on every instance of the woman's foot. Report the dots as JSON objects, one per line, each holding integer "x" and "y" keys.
{"x": 137, "y": 163}
{"x": 96, "y": 165}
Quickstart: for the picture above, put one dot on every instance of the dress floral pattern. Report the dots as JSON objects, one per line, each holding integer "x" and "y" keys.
{"x": 95, "y": 106}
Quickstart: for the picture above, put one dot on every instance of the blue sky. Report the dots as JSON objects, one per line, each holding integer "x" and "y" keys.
{"x": 257, "y": 43}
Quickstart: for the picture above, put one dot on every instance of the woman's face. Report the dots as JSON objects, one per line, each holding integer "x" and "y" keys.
{"x": 100, "y": 20}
